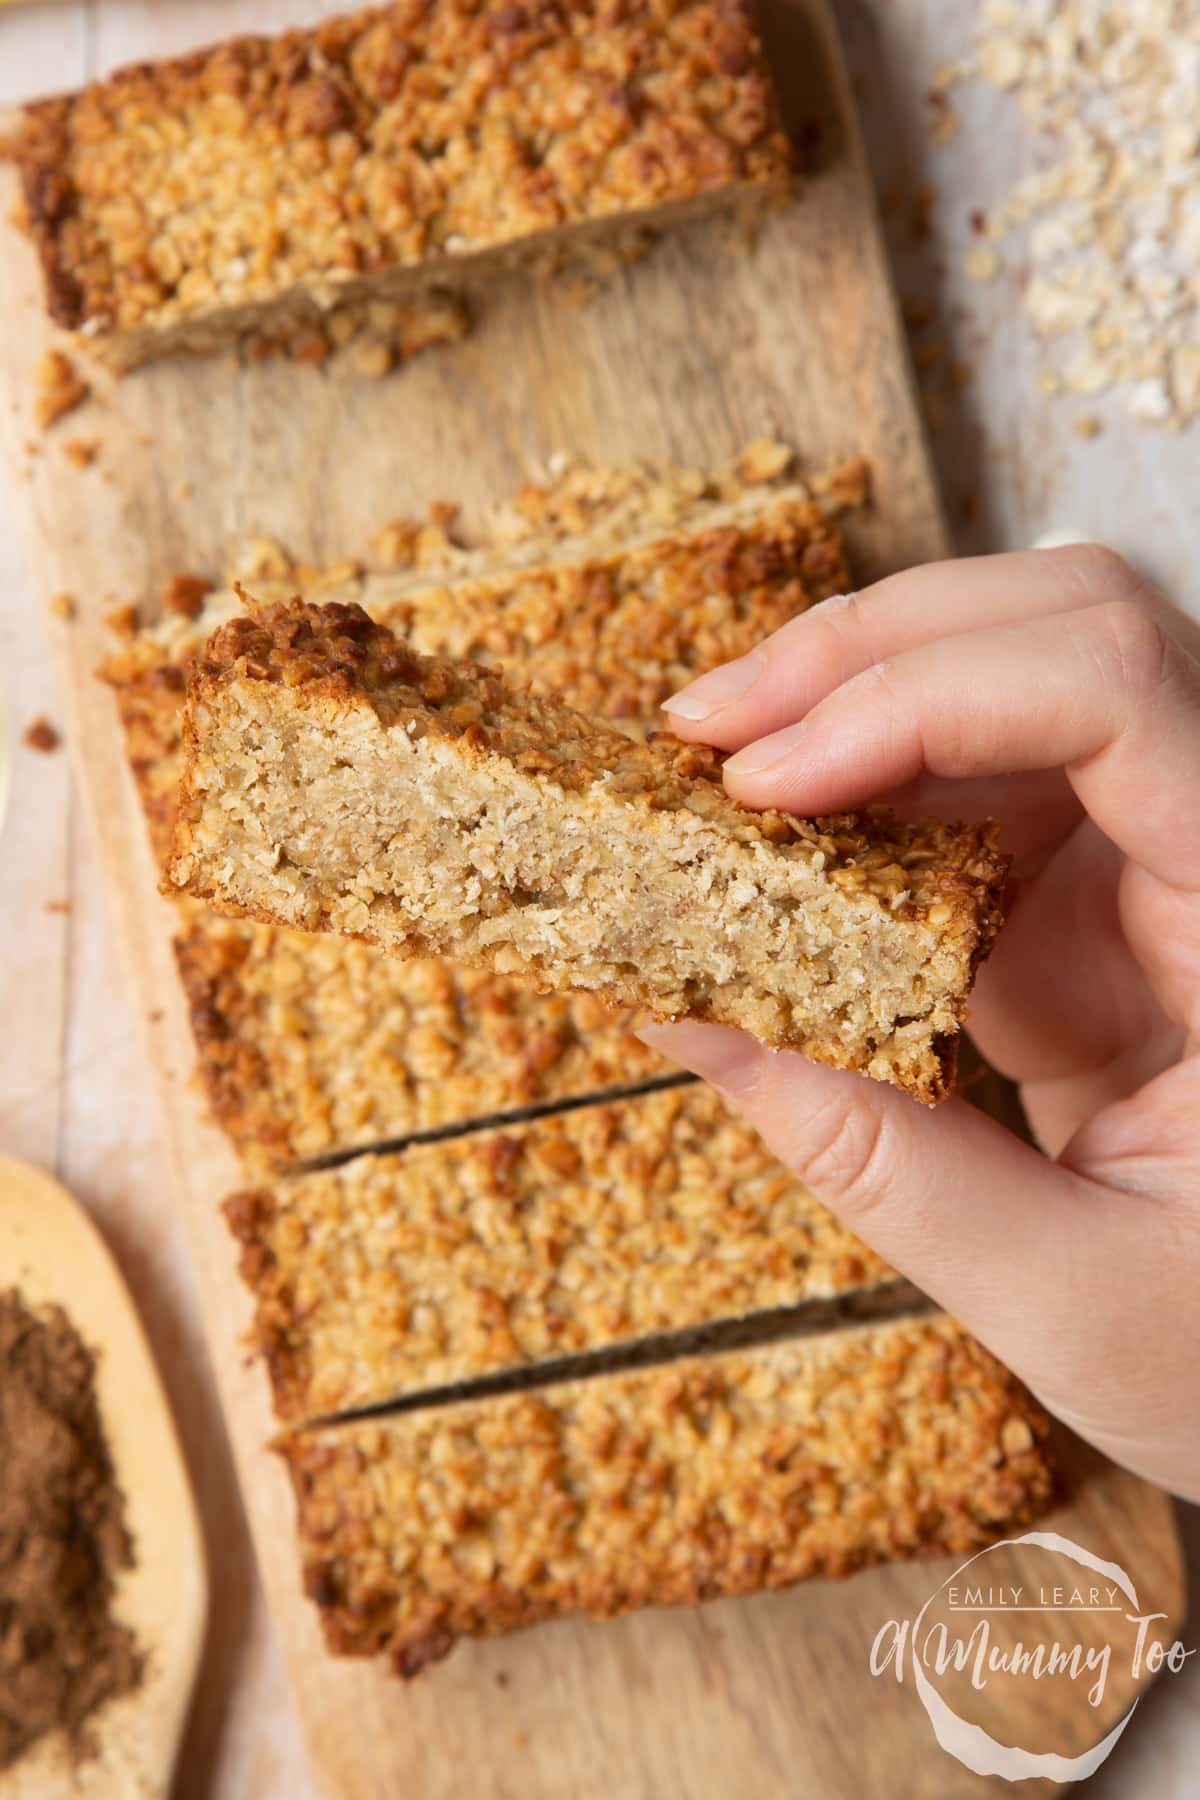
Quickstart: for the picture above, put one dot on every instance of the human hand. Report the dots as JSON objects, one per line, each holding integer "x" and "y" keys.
{"x": 1055, "y": 691}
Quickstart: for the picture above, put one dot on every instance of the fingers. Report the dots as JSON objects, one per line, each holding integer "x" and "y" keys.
{"x": 1038, "y": 810}
{"x": 1105, "y": 694}
{"x": 1059, "y": 1022}
{"x": 1044, "y": 1262}
{"x": 968, "y": 1212}
{"x": 806, "y": 659}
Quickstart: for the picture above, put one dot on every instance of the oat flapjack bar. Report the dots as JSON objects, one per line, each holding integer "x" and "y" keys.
{"x": 723, "y": 1474}
{"x": 336, "y": 780}
{"x": 613, "y": 626}
{"x": 447, "y": 1262}
{"x": 382, "y": 153}
{"x": 312, "y": 1044}
{"x": 308, "y": 1044}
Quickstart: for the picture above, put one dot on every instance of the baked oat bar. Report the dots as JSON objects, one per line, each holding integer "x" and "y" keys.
{"x": 312, "y": 1044}
{"x": 382, "y": 154}
{"x": 307, "y": 1044}
{"x": 723, "y": 1474}
{"x": 336, "y": 780}
{"x": 581, "y": 1230}
{"x": 612, "y": 626}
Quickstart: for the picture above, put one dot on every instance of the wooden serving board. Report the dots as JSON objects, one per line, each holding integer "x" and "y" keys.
{"x": 685, "y": 357}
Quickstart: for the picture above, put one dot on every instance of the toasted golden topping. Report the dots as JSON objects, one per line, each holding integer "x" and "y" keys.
{"x": 384, "y": 139}
{"x": 723, "y": 1474}
{"x": 913, "y": 869}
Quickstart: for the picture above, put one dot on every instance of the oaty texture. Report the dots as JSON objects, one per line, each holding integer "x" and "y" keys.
{"x": 311, "y": 1044}
{"x": 608, "y": 587}
{"x": 722, "y": 1474}
{"x": 573, "y": 1233}
{"x": 176, "y": 203}
{"x": 336, "y": 780}
{"x": 611, "y": 624}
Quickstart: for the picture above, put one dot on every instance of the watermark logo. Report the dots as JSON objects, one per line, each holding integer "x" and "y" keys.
{"x": 968, "y": 1637}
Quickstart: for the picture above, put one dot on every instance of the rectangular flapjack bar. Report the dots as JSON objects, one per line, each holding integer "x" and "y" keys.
{"x": 312, "y": 1044}
{"x": 309, "y": 1044}
{"x": 722, "y": 1474}
{"x": 336, "y": 780}
{"x": 613, "y": 627}
{"x": 573, "y": 1233}
{"x": 382, "y": 153}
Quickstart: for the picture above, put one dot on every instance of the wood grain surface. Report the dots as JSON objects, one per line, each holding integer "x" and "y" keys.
{"x": 686, "y": 356}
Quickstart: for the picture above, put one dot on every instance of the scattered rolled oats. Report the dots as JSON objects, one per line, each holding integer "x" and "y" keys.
{"x": 981, "y": 263}
{"x": 1112, "y": 212}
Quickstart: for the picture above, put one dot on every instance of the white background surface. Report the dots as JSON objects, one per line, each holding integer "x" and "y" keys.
{"x": 75, "y": 1094}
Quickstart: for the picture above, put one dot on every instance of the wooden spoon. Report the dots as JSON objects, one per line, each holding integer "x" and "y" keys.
{"x": 51, "y": 1252}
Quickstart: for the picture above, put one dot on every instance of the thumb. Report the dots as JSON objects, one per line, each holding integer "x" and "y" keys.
{"x": 1037, "y": 1259}
{"x": 949, "y": 1197}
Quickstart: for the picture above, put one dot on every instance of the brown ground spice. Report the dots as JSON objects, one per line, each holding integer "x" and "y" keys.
{"x": 62, "y": 1538}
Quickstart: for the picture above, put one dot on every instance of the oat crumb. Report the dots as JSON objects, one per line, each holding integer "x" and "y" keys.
{"x": 58, "y": 906}
{"x": 1087, "y": 425}
{"x": 60, "y": 388}
{"x": 184, "y": 595}
{"x": 41, "y": 735}
{"x": 373, "y": 359}
{"x": 763, "y": 460}
{"x": 81, "y": 452}
{"x": 62, "y": 606}
{"x": 122, "y": 619}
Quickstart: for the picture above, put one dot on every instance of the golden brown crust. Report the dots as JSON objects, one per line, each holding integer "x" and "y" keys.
{"x": 613, "y": 630}
{"x": 726, "y": 1474}
{"x": 913, "y": 906}
{"x": 928, "y": 870}
{"x": 573, "y": 1233}
{"x": 312, "y": 1044}
{"x": 321, "y": 158}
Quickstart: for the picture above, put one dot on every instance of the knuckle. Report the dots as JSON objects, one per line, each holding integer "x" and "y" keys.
{"x": 831, "y": 634}
{"x": 1100, "y": 572}
{"x": 879, "y": 682}
{"x": 1141, "y": 651}
{"x": 850, "y": 1155}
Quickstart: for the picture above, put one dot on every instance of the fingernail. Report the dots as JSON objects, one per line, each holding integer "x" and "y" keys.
{"x": 766, "y": 754}
{"x": 718, "y": 688}
{"x": 727, "y": 1058}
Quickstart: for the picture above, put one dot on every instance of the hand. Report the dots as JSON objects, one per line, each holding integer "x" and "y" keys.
{"x": 1058, "y": 693}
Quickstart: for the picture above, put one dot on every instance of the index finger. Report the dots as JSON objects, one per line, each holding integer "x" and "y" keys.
{"x": 1104, "y": 694}
{"x": 797, "y": 666}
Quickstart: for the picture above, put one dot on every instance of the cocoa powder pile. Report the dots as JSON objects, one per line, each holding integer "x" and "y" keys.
{"x": 62, "y": 1538}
